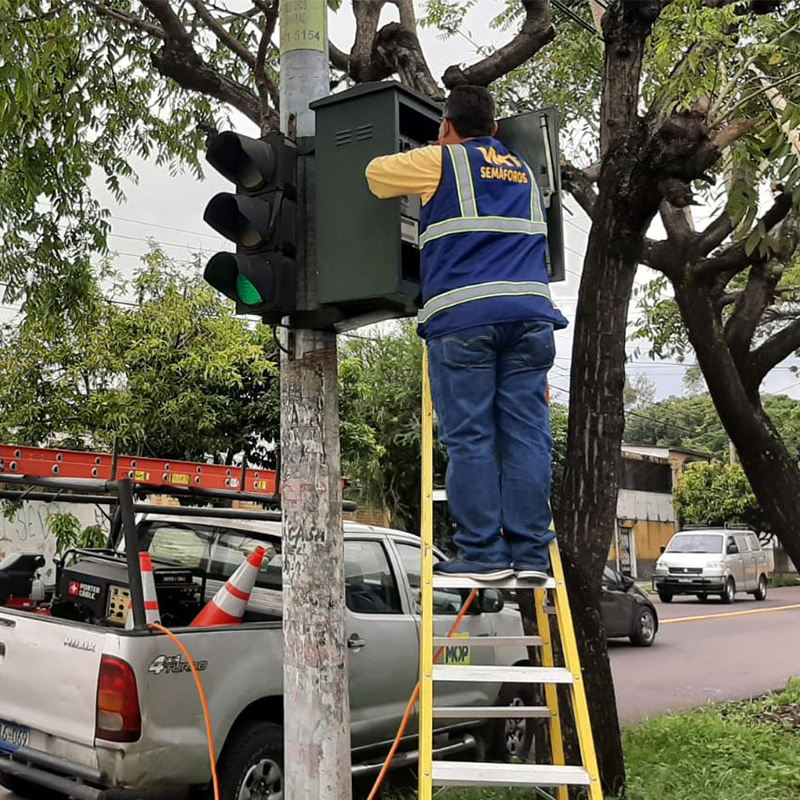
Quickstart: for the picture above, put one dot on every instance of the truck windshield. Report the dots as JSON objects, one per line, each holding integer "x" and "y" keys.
{"x": 695, "y": 543}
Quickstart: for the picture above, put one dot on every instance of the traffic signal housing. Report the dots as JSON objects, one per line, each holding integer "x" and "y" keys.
{"x": 368, "y": 260}
{"x": 260, "y": 219}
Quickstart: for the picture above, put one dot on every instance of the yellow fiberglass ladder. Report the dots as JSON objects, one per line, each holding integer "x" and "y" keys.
{"x": 555, "y": 775}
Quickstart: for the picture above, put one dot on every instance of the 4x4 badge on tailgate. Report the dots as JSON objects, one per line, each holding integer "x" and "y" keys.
{"x": 173, "y": 664}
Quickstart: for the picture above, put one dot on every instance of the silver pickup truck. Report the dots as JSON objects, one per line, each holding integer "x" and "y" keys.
{"x": 97, "y": 712}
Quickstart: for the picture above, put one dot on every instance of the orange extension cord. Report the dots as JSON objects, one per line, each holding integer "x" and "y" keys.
{"x": 413, "y": 700}
{"x": 400, "y": 731}
{"x": 203, "y": 702}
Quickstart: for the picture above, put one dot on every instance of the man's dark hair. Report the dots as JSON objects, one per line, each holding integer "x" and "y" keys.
{"x": 471, "y": 110}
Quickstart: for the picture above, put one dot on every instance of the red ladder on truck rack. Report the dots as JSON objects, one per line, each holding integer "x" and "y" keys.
{"x": 35, "y": 462}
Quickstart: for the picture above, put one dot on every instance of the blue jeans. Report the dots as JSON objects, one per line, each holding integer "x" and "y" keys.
{"x": 489, "y": 391}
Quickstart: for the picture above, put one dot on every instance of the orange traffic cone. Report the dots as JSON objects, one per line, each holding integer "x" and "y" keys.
{"x": 151, "y": 611}
{"x": 227, "y": 606}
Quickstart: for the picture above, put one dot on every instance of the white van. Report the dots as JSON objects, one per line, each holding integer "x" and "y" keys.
{"x": 709, "y": 561}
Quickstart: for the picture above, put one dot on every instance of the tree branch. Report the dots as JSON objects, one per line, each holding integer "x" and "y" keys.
{"x": 408, "y": 19}
{"x": 535, "y": 33}
{"x": 626, "y": 26}
{"x": 580, "y": 185}
{"x": 730, "y": 133}
{"x": 749, "y": 307}
{"x": 734, "y": 258}
{"x": 713, "y": 235}
{"x": 267, "y": 89}
{"x": 338, "y": 58}
{"x": 678, "y": 223}
{"x": 179, "y": 60}
{"x": 224, "y": 36}
{"x": 778, "y": 347}
{"x": 126, "y": 18}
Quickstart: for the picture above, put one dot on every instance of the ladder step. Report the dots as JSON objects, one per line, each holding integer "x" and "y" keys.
{"x": 490, "y": 674}
{"x": 495, "y": 712}
{"x": 459, "y": 582}
{"x": 488, "y": 641}
{"x": 467, "y": 773}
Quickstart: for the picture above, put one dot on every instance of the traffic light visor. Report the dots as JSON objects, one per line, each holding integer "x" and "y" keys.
{"x": 244, "y": 220}
{"x": 222, "y": 272}
{"x": 249, "y": 163}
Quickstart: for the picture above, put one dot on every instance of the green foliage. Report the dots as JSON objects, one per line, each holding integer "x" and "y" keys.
{"x": 174, "y": 375}
{"x": 79, "y": 95}
{"x": 66, "y": 530}
{"x": 9, "y": 509}
{"x": 715, "y": 493}
{"x": 692, "y": 423}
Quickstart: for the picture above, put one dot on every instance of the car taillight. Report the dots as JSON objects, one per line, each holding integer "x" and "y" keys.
{"x": 118, "y": 715}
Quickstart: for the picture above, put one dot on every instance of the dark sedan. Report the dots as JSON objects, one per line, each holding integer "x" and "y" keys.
{"x": 627, "y": 610}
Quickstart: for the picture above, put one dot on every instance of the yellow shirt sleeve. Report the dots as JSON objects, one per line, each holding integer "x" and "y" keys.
{"x": 415, "y": 172}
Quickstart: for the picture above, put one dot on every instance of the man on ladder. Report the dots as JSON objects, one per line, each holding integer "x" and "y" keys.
{"x": 488, "y": 319}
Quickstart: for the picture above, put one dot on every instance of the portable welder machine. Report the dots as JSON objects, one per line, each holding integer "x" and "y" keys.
{"x": 93, "y": 587}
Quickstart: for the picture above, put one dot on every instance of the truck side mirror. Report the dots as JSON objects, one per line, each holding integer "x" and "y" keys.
{"x": 732, "y": 549}
{"x": 663, "y": 549}
{"x": 490, "y": 601}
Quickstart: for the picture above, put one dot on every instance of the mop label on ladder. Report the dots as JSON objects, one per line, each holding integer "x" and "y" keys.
{"x": 458, "y": 653}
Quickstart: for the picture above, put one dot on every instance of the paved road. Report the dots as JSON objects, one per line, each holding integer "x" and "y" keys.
{"x": 730, "y": 652}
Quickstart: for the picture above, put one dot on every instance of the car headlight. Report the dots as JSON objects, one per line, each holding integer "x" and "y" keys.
{"x": 716, "y": 564}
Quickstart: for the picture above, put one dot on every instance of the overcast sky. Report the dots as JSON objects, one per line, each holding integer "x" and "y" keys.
{"x": 170, "y": 209}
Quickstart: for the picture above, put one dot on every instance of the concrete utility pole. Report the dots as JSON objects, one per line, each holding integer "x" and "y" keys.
{"x": 315, "y": 686}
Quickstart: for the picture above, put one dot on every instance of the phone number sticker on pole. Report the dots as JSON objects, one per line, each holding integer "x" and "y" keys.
{"x": 303, "y": 27}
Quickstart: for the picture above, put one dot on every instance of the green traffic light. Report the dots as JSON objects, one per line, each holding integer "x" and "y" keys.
{"x": 247, "y": 292}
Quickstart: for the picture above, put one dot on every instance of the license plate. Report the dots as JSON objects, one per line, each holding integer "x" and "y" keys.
{"x": 17, "y": 735}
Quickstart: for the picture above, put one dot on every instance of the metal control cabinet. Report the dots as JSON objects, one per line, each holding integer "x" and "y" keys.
{"x": 534, "y": 136}
{"x": 367, "y": 249}
{"x": 367, "y": 253}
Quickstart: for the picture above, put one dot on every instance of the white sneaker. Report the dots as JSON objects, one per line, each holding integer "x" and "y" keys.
{"x": 533, "y": 575}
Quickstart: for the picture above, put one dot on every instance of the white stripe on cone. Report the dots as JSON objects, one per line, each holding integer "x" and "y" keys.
{"x": 151, "y": 610}
{"x": 228, "y": 605}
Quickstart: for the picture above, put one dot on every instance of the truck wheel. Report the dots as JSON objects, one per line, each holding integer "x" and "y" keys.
{"x": 761, "y": 592}
{"x": 512, "y": 737}
{"x": 26, "y": 789}
{"x": 664, "y": 597}
{"x": 251, "y": 764}
{"x": 729, "y": 592}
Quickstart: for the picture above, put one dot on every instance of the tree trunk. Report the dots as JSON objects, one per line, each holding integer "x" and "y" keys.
{"x": 767, "y": 463}
{"x": 596, "y": 423}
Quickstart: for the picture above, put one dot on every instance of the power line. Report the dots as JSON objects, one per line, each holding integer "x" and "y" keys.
{"x": 640, "y": 415}
{"x": 579, "y": 20}
{"x": 163, "y": 227}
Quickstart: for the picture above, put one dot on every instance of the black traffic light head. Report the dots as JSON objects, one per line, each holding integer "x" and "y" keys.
{"x": 259, "y": 219}
{"x": 263, "y": 285}
{"x": 253, "y": 164}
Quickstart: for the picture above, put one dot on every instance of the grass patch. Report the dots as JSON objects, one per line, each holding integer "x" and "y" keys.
{"x": 729, "y": 751}
{"x": 778, "y": 581}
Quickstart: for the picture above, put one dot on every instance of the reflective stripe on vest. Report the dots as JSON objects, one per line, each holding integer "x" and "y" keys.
{"x": 466, "y": 187}
{"x": 481, "y": 291}
{"x": 482, "y": 225}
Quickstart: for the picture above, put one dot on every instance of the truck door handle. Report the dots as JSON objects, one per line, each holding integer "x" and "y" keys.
{"x": 355, "y": 642}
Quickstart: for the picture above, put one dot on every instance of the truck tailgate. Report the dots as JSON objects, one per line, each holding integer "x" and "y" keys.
{"x": 48, "y": 674}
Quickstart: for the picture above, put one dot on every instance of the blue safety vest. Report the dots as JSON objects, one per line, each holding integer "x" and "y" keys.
{"x": 483, "y": 243}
